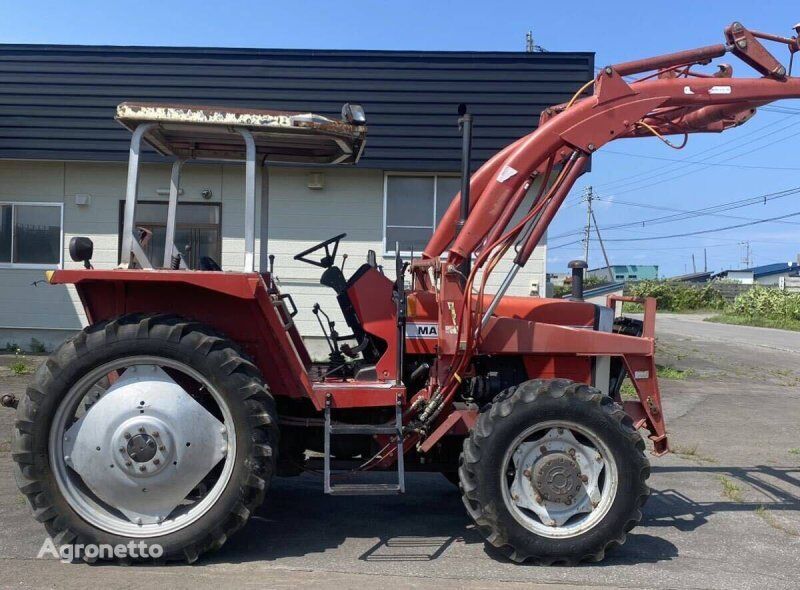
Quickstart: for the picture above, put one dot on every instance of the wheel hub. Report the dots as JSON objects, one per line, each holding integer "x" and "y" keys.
{"x": 556, "y": 481}
{"x": 556, "y": 478}
{"x": 142, "y": 448}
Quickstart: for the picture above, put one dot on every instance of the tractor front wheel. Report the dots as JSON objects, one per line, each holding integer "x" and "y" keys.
{"x": 149, "y": 429}
{"x": 554, "y": 472}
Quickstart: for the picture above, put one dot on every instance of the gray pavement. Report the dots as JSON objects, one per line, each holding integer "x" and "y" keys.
{"x": 724, "y": 513}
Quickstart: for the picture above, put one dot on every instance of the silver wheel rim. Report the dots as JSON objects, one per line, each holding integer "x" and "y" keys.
{"x": 559, "y": 480}
{"x": 217, "y": 446}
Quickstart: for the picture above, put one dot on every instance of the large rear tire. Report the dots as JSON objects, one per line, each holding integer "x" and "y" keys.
{"x": 183, "y": 372}
{"x": 554, "y": 472}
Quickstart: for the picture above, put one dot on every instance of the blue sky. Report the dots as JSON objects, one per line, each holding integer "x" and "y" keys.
{"x": 630, "y": 176}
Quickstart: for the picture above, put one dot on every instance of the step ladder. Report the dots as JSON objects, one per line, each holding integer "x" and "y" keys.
{"x": 365, "y": 489}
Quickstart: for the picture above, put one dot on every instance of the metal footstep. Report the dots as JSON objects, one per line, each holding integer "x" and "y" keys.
{"x": 364, "y": 489}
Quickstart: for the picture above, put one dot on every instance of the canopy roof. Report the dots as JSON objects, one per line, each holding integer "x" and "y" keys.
{"x": 210, "y": 133}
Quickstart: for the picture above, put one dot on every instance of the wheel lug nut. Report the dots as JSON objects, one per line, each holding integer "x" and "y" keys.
{"x": 572, "y": 453}
{"x": 122, "y": 449}
{"x": 560, "y": 431}
{"x": 527, "y": 473}
{"x": 156, "y": 461}
{"x": 141, "y": 429}
{"x": 128, "y": 463}
{"x": 162, "y": 448}
{"x": 156, "y": 434}
{"x": 538, "y": 499}
{"x": 585, "y": 478}
{"x": 543, "y": 448}
{"x": 127, "y": 435}
{"x": 142, "y": 468}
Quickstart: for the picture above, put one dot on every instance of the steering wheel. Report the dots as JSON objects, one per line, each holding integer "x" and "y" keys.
{"x": 330, "y": 256}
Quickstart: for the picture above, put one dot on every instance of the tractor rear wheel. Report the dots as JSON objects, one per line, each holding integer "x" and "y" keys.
{"x": 554, "y": 472}
{"x": 149, "y": 429}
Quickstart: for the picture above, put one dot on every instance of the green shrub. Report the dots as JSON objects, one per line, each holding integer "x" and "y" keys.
{"x": 37, "y": 346}
{"x": 672, "y": 296}
{"x": 766, "y": 303}
{"x": 19, "y": 368}
{"x": 588, "y": 283}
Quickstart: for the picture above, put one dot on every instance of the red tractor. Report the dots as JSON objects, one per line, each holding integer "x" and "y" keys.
{"x": 166, "y": 418}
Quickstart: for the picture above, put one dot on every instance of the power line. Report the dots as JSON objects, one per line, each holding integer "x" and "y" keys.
{"x": 693, "y": 162}
{"x": 672, "y": 176}
{"x": 712, "y": 209}
{"x": 706, "y": 231}
{"x": 642, "y": 176}
{"x": 658, "y": 208}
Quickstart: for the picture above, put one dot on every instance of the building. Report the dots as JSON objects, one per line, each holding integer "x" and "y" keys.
{"x": 766, "y": 274}
{"x": 695, "y": 278}
{"x": 598, "y": 295}
{"x": 627, "y": 272}
{"x": 63, "y": 158}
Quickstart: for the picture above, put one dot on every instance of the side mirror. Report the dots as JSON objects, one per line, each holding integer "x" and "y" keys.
{"x": 81, "y": 250}
{"x": 354, "y": 114}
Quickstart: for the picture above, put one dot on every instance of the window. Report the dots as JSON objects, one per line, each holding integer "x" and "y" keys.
{"x": 413, "y": 205}
{"x": 197, "y": 230}
{"x": 30, "y": 235}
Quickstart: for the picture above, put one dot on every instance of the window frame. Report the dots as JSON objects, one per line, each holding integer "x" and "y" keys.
{"x": 35, "y": 265}
{"x": 218, "y": 226}
{"x": 387, "y": 250}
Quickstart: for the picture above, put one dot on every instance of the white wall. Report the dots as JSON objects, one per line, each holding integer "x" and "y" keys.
{"x": 351, "y": 202}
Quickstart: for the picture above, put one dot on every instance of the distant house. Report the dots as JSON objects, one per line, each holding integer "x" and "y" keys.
{"x": 767, "y": 274}
{"x": 627, "y": 272}
{"x": 598, "y": 294}
{"x": 693, "y": 277}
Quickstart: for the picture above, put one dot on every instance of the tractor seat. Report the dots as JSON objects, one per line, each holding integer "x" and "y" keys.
{"x": 208, "y": 263}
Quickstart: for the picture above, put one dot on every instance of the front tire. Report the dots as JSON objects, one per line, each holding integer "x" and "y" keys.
{"x": 554, "y": 472}
{"x": 165, "y": 362}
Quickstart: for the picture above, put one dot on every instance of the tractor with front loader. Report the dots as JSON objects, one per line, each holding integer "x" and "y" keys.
{"x": 166, "y": 418}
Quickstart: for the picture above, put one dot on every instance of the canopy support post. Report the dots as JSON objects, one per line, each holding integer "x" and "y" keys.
{"x": 131, "y": 194}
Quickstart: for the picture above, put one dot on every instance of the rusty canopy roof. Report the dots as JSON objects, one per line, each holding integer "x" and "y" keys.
{"x": 202, "y": 132}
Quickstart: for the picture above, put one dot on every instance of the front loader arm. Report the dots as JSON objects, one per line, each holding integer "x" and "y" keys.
{"x": 672, "y": 99}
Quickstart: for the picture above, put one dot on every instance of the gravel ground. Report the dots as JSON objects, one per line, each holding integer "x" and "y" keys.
{"x": 724, "y": 513}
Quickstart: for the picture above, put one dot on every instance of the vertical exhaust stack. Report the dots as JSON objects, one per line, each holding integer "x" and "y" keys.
{"x": 578, "y": 268}
{"x": 465, "y": 124}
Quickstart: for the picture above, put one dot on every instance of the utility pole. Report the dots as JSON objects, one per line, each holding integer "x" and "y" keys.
{"x": 589, "y": 196}
{"x": 705, "y": 259}
{"x": 603, "y": 249}
{"x": 747, "y": 259}
{"x": 529, "y": 42}
{"x": 694, "y": 267}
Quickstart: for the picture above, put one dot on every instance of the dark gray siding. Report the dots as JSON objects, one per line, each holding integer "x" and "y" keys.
{"x": 57, "y": 102}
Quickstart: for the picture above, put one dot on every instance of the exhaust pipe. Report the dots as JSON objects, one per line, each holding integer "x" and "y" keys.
{"x": 578, "y": 267}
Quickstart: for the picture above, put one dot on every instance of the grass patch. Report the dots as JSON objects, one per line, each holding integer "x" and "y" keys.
{"x": 627, "y": 390}
{"x": 767, "y": 517}
{"x": 759, "y": 322}
{"x": 795, "y": 451}
{"x": 19, "y": 368}
{"x": 730, "y": 490}
{"x": 692, "y": 453}
{"x": 667, "y": 372}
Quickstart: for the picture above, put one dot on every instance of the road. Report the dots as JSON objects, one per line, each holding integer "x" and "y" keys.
{"x": 724, "y": 511}
{"x": 695, "y": 326}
